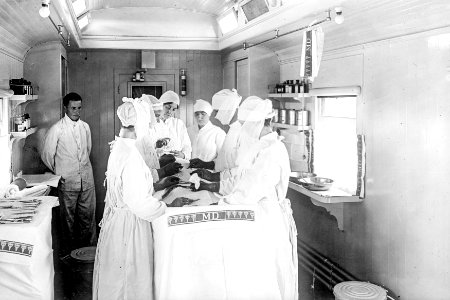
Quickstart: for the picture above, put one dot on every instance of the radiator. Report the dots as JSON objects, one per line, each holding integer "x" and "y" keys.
{"x": 325, "y": 270}
{"x": 321, "y": 268}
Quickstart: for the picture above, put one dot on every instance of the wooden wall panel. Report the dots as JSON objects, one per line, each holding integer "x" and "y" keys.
{"x": 91, "y": 73}
{"x": 10, "y": 67}
{"x": 229, "y": 75}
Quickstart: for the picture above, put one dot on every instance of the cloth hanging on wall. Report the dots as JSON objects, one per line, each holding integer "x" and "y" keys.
{"x": 312, "y": 51}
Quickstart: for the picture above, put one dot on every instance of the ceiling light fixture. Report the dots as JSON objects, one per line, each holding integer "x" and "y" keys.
{"x": 45, "y": 9}
{"x": 339, "y": 18}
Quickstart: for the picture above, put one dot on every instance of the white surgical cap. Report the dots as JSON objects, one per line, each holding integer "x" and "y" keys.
{"x": 255, "y": 109}
{"x": 170, "y": 96}
{"x": 202, "y": 105}
{"x": 226, "y": 102}
{"x": 127, "y": 114}
{"x": 145, "y": 111}
{"x": 152, "y": 101}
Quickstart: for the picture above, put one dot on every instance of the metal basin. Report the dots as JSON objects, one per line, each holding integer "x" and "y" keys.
{"x": 300, "y": 177}
{"x": 321, "y": 183}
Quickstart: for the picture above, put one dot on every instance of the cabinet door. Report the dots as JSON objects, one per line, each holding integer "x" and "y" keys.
{"x": 242, "y": 78}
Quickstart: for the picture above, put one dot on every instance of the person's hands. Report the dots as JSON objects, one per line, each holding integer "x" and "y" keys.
{"x": 166, "y": 159}
{"x": 204, "y": 186}
{"x": 169, "y": 181}
{"x": 177, "y": 153}
{"x": 197, "y": 163}
{"x": 207, "y": 175}
{"x": 162, "y": 142}
{"x": 170, "y": 169}
{"x": 180, "y": 201}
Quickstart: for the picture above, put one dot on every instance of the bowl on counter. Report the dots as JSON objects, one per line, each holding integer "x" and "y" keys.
{"x": 320, "y": 183}
{"x": 301, "y": 177}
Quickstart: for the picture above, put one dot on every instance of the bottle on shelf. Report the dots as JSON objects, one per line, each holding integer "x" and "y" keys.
{"x": 275, "y": 117}
{"x": 297, "y": 86}
{"x": 26, "y": 121}
{"x": 291, "y": 117}
{"x": 292, "y": 84}
{"x": 305, "y": 86}
{"x": 282, "y": 117}
{"x": 287, "y": 87}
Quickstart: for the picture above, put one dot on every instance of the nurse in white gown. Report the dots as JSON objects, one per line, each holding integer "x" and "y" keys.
{"x": 206, "y": 138}
{"x": 146, "y": 138}
{"x": 173, "y": 128}
{"x": 225, "y": 102}
{"x": 239, "y": 142}
{"x": 264, "y": 182}
{"x": 124, "y": 260}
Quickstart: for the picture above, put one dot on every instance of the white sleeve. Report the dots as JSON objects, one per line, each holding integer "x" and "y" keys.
{"x": 138, "y": 188}
{"x": 251, "y": 187}
{"x": 186, "y": 147}
{"x": 228, "y": 179}
{"x": 49, "y": 148}
{"x": 89, "y": 138}
{"x": 220, "y": 138}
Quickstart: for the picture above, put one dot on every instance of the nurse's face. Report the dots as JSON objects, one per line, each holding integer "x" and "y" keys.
{"x": 202, "y": 118}
{"x": 169, "y": 110}
{"x": 158, "y": 113}
{"x": 73, "y": 110}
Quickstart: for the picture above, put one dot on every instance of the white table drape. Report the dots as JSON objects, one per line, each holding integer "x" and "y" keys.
{"x": 26, "y": 256}
{"x": 214, "y": 252}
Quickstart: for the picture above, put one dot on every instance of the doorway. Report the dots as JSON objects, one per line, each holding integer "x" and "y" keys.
{"x": 156, "y": 83}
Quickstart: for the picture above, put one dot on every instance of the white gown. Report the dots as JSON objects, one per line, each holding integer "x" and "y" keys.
{"x": 174, "y": 129}
{"x": 124, "y": 260}
{"x": 265, "y": 183}
{"x": 146, "y": 146}
{"x": 226, "y": 158}
{"x": 206, "y": 142}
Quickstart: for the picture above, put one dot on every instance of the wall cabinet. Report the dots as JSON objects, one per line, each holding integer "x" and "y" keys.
{"x": 18, "y": 105}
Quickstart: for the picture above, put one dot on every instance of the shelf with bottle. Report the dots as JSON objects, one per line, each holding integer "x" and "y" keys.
{"x": 23, "y": 98}
{"x": 296, "y": 96}
{"x": 320, "y": 92}
{"x": 23, "y": 134}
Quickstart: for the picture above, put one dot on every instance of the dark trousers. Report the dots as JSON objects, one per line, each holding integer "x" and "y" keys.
{"x": 77, "y": 209}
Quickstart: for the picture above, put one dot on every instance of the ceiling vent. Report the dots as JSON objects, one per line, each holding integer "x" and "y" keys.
{"x": 148, "y": 59}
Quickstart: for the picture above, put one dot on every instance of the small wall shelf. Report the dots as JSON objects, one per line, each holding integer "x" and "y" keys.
{"x": 295, "y": 127}
{"x": 23, "y": 134}
{"x": 332, "y": 200}
{"x": 326, "y": 91}
{"x": 23, "y": 98}
{"x": 289, "y": 96}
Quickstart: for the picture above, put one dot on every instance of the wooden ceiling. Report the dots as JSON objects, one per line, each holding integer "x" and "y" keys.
{"x": 191, "y": 23}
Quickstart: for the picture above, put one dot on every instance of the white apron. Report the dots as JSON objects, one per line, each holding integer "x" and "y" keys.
{"x": 124, "y": 260}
